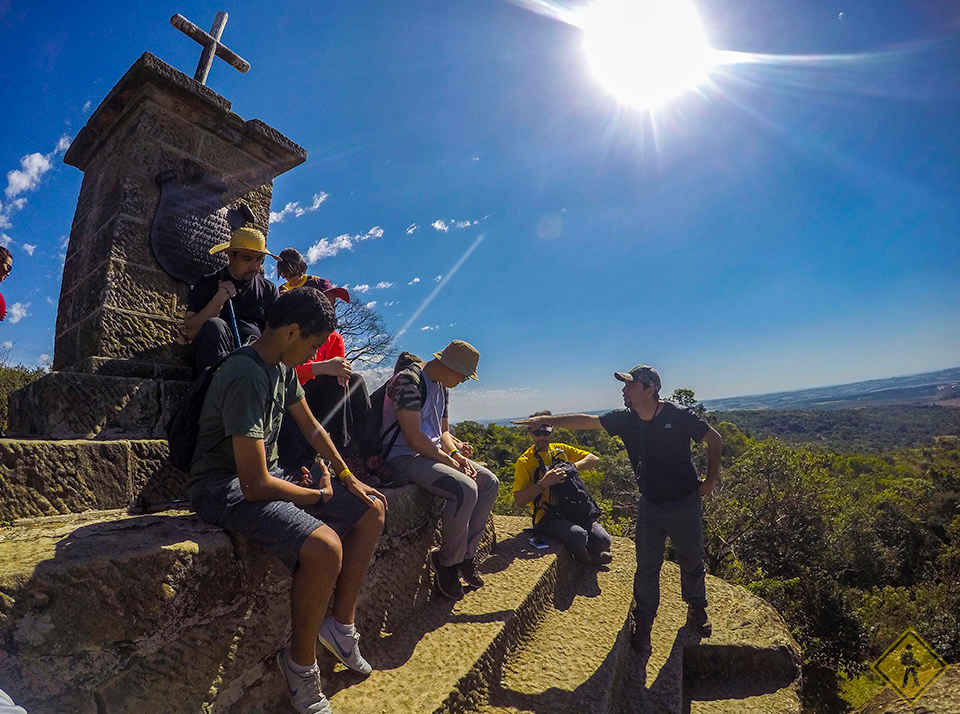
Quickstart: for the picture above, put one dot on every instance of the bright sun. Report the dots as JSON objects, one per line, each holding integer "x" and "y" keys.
{"x": 646, "y": 51}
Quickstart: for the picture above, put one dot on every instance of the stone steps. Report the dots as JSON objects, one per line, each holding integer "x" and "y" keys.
{"x": 48, "y": 477}
{"x": 443, "y": 657}
{"x": 108, "y": 613}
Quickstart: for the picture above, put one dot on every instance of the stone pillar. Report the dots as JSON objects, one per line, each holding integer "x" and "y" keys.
{"x": 120, "y": 313}
{"x": 120, "y": 353}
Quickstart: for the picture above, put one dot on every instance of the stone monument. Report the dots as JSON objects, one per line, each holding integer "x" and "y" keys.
{"x": 103, "y": 609}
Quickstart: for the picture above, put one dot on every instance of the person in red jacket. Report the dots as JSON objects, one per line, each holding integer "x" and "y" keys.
{"x": 6, "y": 265}
{"x": 338, "y": 397}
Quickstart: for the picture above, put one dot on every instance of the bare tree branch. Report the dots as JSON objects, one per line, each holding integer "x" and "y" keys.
{"x": 365, "y": 334}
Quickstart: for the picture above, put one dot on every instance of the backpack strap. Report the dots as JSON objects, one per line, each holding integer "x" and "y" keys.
{"x": 537, "y": 473}
{"x": 217, "y": 365}
{"x": 394, "y": 429}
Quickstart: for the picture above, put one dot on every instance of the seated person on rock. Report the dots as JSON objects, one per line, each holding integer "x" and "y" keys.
{"x": 425, "y": 453}
{"x": 208, "y": 321}
{"x": 293, "y": 269}
{"x": 336, "y": 396}
{"x": 324, "y": 530}
{"x": 589, "y": 543}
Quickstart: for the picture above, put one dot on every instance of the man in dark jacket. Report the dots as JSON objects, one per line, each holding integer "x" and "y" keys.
{"x": 240, "y": 285}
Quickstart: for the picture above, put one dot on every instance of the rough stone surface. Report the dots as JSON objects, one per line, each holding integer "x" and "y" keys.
{"x": 165, "y": 613}
{"x": 45, "y": 478}
{"x": 943, "y": 697}
{"x": 116, "y": 303}
{"x": 66, "y": 405}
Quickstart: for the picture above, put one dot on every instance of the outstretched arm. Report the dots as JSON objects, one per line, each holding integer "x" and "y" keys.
{"x": 565, "y": 421}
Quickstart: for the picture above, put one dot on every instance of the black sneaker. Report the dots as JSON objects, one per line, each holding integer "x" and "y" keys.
{"x": 447, "y": 579}
{"x": 468, "y": 571}
{"x": 602, "y": 557}
{"x": 697, "y": 619}
{"x": 640, "y": 639}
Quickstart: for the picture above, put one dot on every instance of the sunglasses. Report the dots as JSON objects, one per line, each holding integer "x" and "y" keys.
{"x": 542, "y": 432}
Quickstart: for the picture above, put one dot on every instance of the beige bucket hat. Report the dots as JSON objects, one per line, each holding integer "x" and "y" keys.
{"x": 461, "y": 357}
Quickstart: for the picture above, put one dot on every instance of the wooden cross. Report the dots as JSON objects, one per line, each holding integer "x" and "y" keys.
{"x": 211, "y": 45}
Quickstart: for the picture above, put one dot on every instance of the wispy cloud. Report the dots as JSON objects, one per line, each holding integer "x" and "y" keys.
{"x": 411, "y": 228}
{"x": 26, "y": 178}
{"x": 28, "y": 249}
{"x": 428, "y": 327}
{"x": 86, "y": 106}
{"x": 296, "y": 210}
{"x": 414, "y": 281}
{"x": 329, "y": 247}
{"x": 372, "y": 304}
{"x": 17, "y": 312}
{"x": 383, "y": 285}
{"x": 51, "y": 301}
{"x": 45, "y": 362}
{"x": 364, "y": 288}
{"x": 438, "y": 279}
{"x": 391, "y": 302}
{"x": 8, "y": 345}
{"x": 444, "y": 226}
{"x": 440, "y": 226}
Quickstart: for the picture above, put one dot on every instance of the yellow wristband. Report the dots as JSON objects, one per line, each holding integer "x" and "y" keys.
{"x": 454, "y": 451}
{"x": 345, "y": 472}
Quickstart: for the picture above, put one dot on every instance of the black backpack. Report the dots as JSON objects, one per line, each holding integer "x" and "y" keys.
{"x": 374, "y": 423}
{"x": 574, "y": 502}
{"x": 183, "y": 429}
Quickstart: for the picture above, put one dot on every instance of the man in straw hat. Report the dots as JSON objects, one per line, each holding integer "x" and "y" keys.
{"x": 657, "y": 435}
{"x": 426, "y": 453}
{"x": 208, "y": 321}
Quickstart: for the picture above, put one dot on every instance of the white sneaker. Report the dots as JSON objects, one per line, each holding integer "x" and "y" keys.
{"x": 345, "y": 648}
{"x": 304, "y": 690}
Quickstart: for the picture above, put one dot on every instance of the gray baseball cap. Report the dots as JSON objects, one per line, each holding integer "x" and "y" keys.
{"x": 641, "y": 373}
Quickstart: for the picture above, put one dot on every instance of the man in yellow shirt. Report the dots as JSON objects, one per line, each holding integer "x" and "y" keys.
{"x": 589, "y": 543}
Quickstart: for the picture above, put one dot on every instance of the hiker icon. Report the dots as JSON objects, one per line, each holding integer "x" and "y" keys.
{"x": 910, "y": 663}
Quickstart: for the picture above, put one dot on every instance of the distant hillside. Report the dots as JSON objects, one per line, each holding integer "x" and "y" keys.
{"x": 927, "y": 388}
{"x": 863, "y": 429}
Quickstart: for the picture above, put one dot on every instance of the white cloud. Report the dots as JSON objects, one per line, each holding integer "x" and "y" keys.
{"x": 45, "y": 362}
{"x": 86, "y": 106}
{"x": 440, "y": 226}
{"x": 392, "y": 302}
{"x": 51, "y": 301}
{"x": 8, "y": 345}
{"x": 414, "y": 281}
{"x": 5, "y": 240}
{"x": 383, "y": 285}
{"x": 296, "y": 210}
{"x": 364, "y": 288}
{"x": 327, "y": 247}
{"x": 27, "y": 177}
{"x": 411, "y": 228}
{"x": 28, "y": 248}
{"x": 17, "y": 312}
{"x": 372, "y": 304}
{"x": 427, "y": 327}
{"x": 438, "y": 279}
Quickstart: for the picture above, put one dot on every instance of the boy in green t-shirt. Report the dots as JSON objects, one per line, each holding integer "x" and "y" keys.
{"x": 324, "y": 532}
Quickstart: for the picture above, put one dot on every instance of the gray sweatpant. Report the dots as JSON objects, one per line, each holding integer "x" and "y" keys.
{"x": 468, "y": 505}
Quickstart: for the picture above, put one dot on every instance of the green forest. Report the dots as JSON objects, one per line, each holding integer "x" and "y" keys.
{"x": 849, "y": 526}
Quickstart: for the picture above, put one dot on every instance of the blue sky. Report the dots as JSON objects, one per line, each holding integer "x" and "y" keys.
{"x": 792, "y": 223}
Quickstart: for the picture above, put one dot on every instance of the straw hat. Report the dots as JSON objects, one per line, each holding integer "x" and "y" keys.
{"x": 246, "y": 238}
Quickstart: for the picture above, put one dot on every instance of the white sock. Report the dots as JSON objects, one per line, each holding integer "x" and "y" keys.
{"x": 298, "y": 669}
{"x": 344, "y": 630}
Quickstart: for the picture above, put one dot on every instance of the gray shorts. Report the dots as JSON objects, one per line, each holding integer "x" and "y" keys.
{"x": 279, "y": 526}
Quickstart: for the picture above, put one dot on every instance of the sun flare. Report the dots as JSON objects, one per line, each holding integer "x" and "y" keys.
{"x": 646, "y": 52}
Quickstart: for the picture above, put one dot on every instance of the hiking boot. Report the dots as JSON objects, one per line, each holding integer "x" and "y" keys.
{"x": 447, "y": 579}
{"x": 304, "y": 690}
{"x": 468, "y": 571}
{"x": 697, "y": 619}
{"x": 345, "y": 647}
{"x": 640, "y": 638}
{"x": 602, "y": 557}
